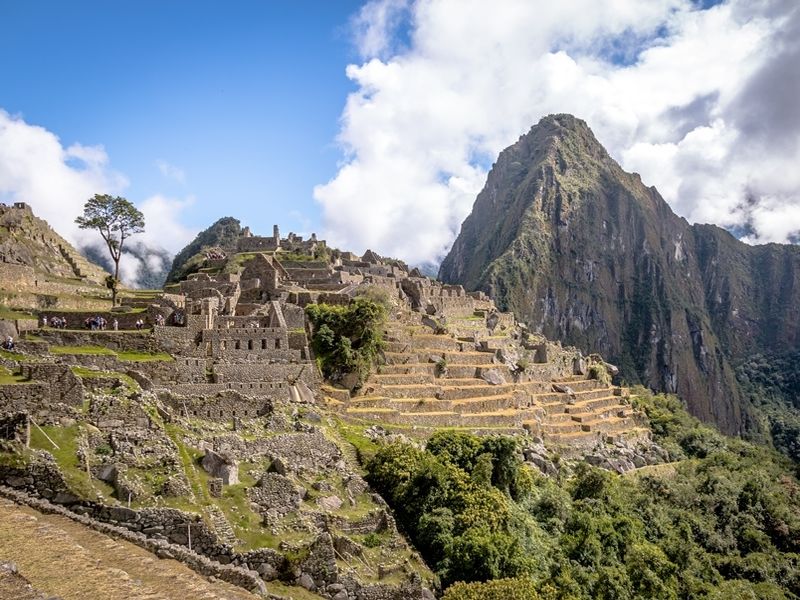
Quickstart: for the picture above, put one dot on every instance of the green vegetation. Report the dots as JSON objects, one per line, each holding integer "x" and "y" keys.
{"x": 10, "y": 313}
{"x": 98, "y": 350}
{"x": 65, "y": 452}
{"x": 721, "y": 521}
{"x": 144, "y": 356}
{"x": 224, "y": 233}
{"x": 7, "y": 377}
{"x": 772, "y": 384}
{"x": 116, "y": 219}
{"x": 499, "y": 589}
{"x": 347, "y": 339}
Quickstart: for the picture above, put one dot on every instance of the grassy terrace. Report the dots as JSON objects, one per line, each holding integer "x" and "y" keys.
{"x": 125, "y": 355}
{"x": 10, "y": 313}
{"x": 65, "y": 452}
{"x": 7, "y": 377}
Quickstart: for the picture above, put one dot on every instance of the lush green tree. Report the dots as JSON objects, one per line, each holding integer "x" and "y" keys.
{"x": 720, "y": 519}
{"x": 116, "y": 219}
{"x": 347, "y": 339}
{"x": 500, "y": 589}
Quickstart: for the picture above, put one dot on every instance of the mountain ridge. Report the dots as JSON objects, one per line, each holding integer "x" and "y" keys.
{"x": 586, "y": 253}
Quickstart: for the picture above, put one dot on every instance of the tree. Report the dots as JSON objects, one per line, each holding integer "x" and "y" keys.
{"x": 116, "y": 219}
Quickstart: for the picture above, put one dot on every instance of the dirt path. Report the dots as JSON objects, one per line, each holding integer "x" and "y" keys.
{"x": 65, "y": 559}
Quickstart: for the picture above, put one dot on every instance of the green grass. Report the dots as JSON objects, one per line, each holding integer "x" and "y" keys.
{"x": 10, "y": 313}
{"x": 12, "y": 355}
{"x": 7, "y": 377}
{"x": 144, "y": 356}
{"x": 98, "y": 350}
{"x": 86, "y": 373}
{"x": 75, "y": 475}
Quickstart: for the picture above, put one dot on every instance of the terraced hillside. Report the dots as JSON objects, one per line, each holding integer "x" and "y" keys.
{"x": 432, "y": 380}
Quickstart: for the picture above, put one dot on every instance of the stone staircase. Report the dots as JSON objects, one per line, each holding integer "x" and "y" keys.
{"x": 221, "y": 526}
{"x": 431, "y": 381}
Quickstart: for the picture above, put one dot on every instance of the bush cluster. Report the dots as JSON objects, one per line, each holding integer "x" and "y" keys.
{"x": 347, "y": 339}
{"x": 721, "y": 521}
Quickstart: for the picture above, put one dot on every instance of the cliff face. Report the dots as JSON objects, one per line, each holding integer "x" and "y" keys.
{"x": 584, "y": 252}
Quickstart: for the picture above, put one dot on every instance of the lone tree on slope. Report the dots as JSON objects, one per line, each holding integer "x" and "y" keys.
{"x": 116, "y": 219}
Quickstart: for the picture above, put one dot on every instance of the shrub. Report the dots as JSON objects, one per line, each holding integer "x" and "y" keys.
{"x": 347, "y": 339}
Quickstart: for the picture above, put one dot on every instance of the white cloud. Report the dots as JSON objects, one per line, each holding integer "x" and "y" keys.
{"x": 476, "y": 75}
{"x": 56, "y": 181}
{"x": 170, "y": 171}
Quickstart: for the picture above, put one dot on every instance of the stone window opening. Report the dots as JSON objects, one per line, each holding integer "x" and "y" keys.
{"x": 263, "y": 344}
{"x": 238, "y": 345}
{"x": 249, "y": 344}
{"x": 277, "y": 344}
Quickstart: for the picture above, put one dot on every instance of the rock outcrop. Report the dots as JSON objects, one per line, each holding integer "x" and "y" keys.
{"x": 586, "y": 253}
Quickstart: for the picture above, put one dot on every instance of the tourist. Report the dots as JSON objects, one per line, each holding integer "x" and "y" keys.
{"x": 115, "y": 324}
{"x": 44, "y": 320}
{"x": 9, "y": 343}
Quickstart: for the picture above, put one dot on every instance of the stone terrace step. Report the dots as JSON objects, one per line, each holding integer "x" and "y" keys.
{"x": 485, "y": 403}
{"x": 609, "y": 424}
{"x": 403, "y": 404}
{"x": 399, "y": 379}
{"x": 594, "y": 404}
{"x": 408, "y": 368}
{"x": 454, "y": 392}
{"x": 411, "y": 390}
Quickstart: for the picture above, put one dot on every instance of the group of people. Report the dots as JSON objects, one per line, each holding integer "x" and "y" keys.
{"x": 56, "y": 322}
{"x": 97, "y": 323}
{"x": 160, "y": 319}
{"x": 140, "y": 323}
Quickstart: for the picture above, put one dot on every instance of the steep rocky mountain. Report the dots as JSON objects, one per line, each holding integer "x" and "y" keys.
{"x": 28, "y": 241}
{"x": 585, "y": 252}
{"x": 222, "y": 234}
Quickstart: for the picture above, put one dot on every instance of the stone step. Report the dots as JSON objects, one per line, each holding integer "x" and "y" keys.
{"x": 411, "y": 390}
{"x": 561, "y": 427}
{"x": 609, "y": 424}
{"x": 594, "y": 404}
{"x": 408, "y": 368}
{"x": 460, "y": 381}
{"x": 580, "y": 385}
{"x": 450, "y": 392}
{"x": 486, "y": 403}
{"x": 591, "y": 394}
{"x": 402, "y": 404}
{"x": 399, "y": 379}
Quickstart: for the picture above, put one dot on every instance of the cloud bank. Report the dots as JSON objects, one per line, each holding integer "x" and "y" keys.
{"x": 56, "y": 181}
{"x": 701, "y": 102}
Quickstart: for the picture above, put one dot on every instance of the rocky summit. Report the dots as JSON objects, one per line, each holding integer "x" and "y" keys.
{"x": 584, "y": 252}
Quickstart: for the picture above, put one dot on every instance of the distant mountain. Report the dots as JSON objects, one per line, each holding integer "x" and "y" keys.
{"x": 586, "y": 253}
{"x": 222, "y": 234}
{"x": 153, "y": 263}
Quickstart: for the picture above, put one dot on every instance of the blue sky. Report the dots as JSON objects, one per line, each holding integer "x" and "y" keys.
{"x": 374, "y": 123}
{"x": 242, "y": 97}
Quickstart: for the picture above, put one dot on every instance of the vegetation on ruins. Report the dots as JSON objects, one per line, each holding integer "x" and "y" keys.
{"x": 116, "y": 219}
{"x": 347, "y": 339}
{"x": 719, "y": 521}
{"x": 223, "y": 233}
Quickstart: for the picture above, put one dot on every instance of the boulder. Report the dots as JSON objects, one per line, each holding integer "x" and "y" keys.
{"x": 222, "y": 466}
{"x": 493, "y": 377}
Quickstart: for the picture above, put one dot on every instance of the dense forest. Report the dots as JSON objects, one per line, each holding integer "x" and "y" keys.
{"x": 720, "y": 520}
